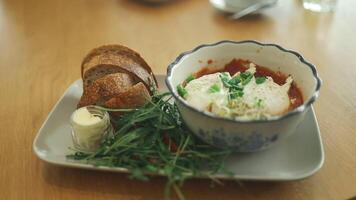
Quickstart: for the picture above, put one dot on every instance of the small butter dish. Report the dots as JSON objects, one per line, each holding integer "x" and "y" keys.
{"x": 89, "y": 125}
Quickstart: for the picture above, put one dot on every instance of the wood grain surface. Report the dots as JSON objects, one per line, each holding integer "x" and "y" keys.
{"x": 43, "y": 42}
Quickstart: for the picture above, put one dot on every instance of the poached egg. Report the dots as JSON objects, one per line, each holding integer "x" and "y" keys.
{"x": 259, "y": 100}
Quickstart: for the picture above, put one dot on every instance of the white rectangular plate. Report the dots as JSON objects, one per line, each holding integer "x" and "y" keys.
{"x": 300, "y": 156}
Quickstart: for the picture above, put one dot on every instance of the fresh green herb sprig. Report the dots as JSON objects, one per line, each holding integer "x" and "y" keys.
{"x": 225, "y": 79}
{"x": 182, "y": 91}
{"x": 154, "y": 139}
{"x": 246, "y": 77}
{"x": 233, "y": 84}
{"x": 260, "y": 80}
{"x": 236, "y": 84}
{"x": 234, "y": 81}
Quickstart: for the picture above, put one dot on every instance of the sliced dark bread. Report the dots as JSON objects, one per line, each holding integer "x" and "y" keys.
{"x": 115, "y": 49}
{"x": 105, "y": 88}
{"x": 121, "y": 57}
{"x": 118, "y": 63}
{"x": 134, "y": 97}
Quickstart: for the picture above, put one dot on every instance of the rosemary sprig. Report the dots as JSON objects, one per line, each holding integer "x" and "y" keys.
{"x": 154, "y": 139}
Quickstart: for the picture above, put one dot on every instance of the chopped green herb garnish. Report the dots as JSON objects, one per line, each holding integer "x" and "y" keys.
{"x": 246, "y": 74}
{"x": 214, "y": 88}
{"x": 182, "y": 91}
{"x": 225, "y": 79}
{"x": 190, "y": 78}
{"x": 235, "y": 80}
{"x": 234, "y": 83}
{"x": 246, "y": 77}
{"x": 260, "y": 80}
{"x": 246, "y": 80}
{"x": 154, "y": 138}
{"x": 236, "y": 94}
{"x": 236, "y": 87}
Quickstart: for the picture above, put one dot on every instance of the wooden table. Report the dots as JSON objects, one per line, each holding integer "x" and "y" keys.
{"x": 41, "y": 47}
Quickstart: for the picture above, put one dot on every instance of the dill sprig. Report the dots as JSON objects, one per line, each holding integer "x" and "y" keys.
{"x": 154, "y": 140}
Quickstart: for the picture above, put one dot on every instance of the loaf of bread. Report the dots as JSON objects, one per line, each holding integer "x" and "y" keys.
{"x": 115, "y": 76}
{"x": 110, "y": 59}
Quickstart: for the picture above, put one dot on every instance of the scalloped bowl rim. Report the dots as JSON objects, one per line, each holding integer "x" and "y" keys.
{"x": 295, "y": 111}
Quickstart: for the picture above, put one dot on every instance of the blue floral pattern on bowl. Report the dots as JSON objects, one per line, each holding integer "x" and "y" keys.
{"x": 246, "y": 143}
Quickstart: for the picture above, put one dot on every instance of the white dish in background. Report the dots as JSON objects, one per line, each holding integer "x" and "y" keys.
{"x": 300, "y": 156}
{"x": 234, "y": 6}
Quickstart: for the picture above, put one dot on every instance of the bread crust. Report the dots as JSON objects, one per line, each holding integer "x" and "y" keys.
{"x": 107, "y": 64}
{"x": 134, "y": 97}
{"x": 120, "y": 56}
{"x": 105, "y": 88}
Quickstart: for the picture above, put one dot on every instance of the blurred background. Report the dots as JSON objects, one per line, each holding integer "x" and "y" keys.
{"x": 42, "y": 44}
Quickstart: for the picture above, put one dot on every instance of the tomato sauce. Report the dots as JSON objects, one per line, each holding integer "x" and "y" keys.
{"x": 240, "y": 65}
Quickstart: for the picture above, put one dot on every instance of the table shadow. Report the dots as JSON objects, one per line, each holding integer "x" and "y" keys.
{"x": 118, "y": 184}
{"x": 132, "y": 4}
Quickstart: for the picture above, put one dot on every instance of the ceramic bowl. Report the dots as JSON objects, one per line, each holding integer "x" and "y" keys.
{"x": 243, "y": 136}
